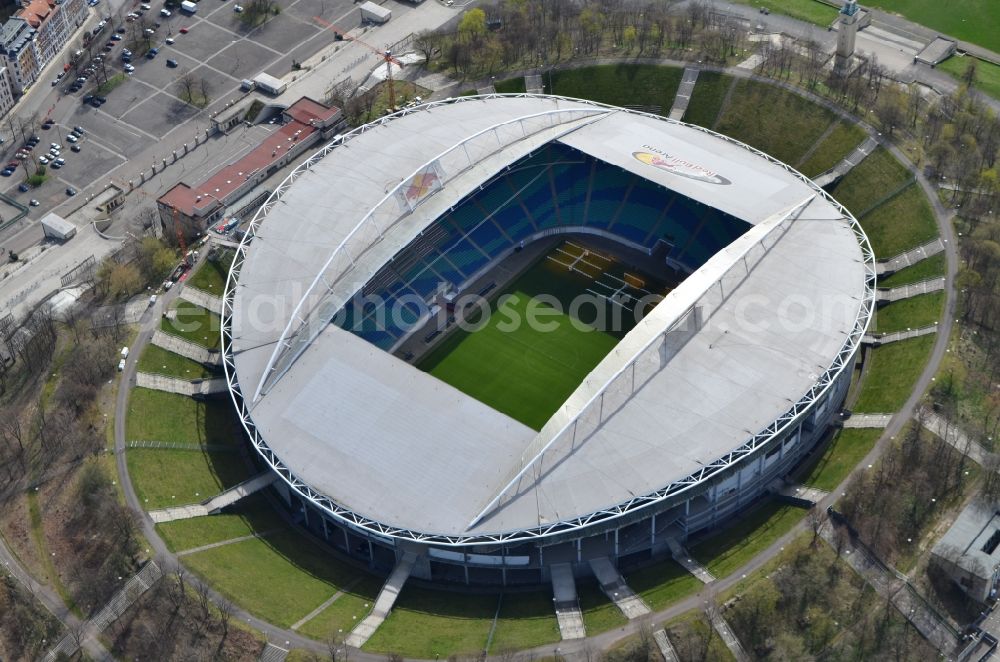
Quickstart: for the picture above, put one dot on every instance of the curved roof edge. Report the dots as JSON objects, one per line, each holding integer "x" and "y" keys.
{"x": 791, "y": 416}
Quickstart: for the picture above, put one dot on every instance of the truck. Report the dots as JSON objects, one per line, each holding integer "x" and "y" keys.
{"x": 56, "y": 227}
{"x": 247, "y": 85}
{"x": 189, "y": 7}
{"x": 372, "y": 13}
{"x": 270, "y": 84}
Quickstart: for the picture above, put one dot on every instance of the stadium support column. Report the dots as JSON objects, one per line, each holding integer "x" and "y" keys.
{"x": 616, "y": 544}
{"x": 652, "y": 531}
{"x": 347, "y": 540}
{"x": 326, "y": 533}
{"x": 579, "y": 550}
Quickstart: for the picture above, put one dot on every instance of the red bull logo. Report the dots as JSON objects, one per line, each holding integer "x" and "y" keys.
{"x": 678, "y": 166}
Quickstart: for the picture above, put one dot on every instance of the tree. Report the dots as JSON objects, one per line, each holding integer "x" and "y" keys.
{"x": 472, "y": 25}
{"x": 123, "y": 281}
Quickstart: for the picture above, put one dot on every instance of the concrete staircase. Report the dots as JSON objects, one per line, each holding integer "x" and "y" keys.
{"x": 729, "y": 637}
{"x": 180, "y": 386}
{"x": 909, "y": 258}
{"x": 363, "y": 631}
{"x": 684, "y": 92}
{"x": 201, "y": 298}
{"x": 187, "y": 349}
{"x": 878, "y": 339}
{"x": 216, "y": 503}
{"x": 684, "y": 557}
{"x": 272, "y": 653}
{"x": 666, "y": 648}
{"x": 533, "y": 84}
{"x": 614, "y": 586}
{"x": 566, "y": 602}
{"x": 911, "y": 290}
{"x": 850, "y": 161}
{"x": 866, "y": 421}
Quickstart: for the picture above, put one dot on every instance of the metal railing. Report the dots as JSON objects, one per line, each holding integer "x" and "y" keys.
{"x": 796, "y": 412}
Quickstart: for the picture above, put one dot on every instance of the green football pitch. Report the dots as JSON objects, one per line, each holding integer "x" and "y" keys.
{"x": 527, "y": 370}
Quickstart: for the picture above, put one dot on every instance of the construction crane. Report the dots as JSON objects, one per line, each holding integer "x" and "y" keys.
{"x": 385, "y": 54}
{"x": 175, "y": 214}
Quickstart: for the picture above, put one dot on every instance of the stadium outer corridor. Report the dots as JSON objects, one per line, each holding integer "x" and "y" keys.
{"x": 570, "y": 648}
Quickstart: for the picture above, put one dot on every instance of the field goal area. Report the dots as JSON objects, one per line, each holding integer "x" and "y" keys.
{"x": 609, "y": 282}
{"x": 526, "y": 370}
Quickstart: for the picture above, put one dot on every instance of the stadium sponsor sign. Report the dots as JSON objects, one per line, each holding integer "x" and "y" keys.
{"x": 678, "y": 166}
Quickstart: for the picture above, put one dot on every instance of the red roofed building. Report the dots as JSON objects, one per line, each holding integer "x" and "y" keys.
{"x": 55, "y": 21}
{"x": 200, "y": 205}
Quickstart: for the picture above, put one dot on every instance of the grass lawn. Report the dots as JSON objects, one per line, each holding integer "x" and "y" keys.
{"x": 510, "y": 86}
{"x": 426, "y": 623}
{"x": 663, "y": 583}
{"x": 894, "y": 369}
{"x": 927, "y": 268}
{"x": 179, "y": 477}
{"x": 987, "y": 73}
{"x": 599, "y": 613}
{"x": 810, "y": 11}
{"x": 526, "y": 620}
{"x": 211, "y": 275}
{"x": 158, "y": 416}
{"x": 340, "y": 617}
{"x": 904, "y": 222}
{"x": 194, "y": 324}
{"x": 977, "y": 21}
{"x": 724, "y": 552}
{"x": 874, "y": 178}
{"x": 774, "y": 120}
{"x": 706, "y": 100}
{"x": 249, "y": 516}
{"x": 832, "y": 150}
{"x": 548, "y": 365}
{"x": 620, "y": 84}
{"x": 841, "y": 456}
{"x": 910, "y": 313}
{"x": 280, "y": 578}
{"x": 157, "y": 360}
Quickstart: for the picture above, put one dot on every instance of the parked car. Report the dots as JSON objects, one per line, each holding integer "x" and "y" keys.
{"x": 6, "y": 172}
{"x": 22, "y": 187}
{"x": 75, "y": 148}
{"x": 172, "y": 64}
{"x": 183, "y": 30}
{"x": 71, "y": 138}
{"x": 33, "y": 202}
{"x": 43, "y": 160}
{"x": 129, "y": 68}
{"x": 78, "y": 130}
{"x": 165, "y": 13}
{"x": 116, "y": 37}
{"x": 70, "y": 190}
{"x": 54, "y": 165}
{"x": 170, "y": 41}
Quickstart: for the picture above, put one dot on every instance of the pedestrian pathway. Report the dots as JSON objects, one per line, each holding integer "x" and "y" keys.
{"x": 186, "y": 348}
{"x": 566, "y": 603}
{"x": 954, "y": 436}
{"x": 866, "y": 421}
{"x": 911, "y": 290}
{"x": 729, "y": 637}
{"x": 684, "y": 92}
{"x": 850, "y": 161}
{"x": 318, "y": 610}
{"x": 878, "y": 339}
{"x": 892, "y": 585}
{"x": 363, "y": 631}
{"x": 684, "y": 557}
{"x": 909, "y": 258}
{"x": 231, "y": 541}
{"x": 614, "y": 586}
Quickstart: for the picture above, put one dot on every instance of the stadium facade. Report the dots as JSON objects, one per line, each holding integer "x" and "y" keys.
{"x": 719, "y": 392}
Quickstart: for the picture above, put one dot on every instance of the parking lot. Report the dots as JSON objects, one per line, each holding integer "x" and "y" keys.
{"x": 145, "y": 118}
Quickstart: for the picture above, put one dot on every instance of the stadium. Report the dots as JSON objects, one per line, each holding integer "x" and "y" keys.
{"x": 700, "y": 303}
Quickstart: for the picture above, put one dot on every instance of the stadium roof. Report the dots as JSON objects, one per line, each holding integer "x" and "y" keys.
{"x": 388, "y": 442}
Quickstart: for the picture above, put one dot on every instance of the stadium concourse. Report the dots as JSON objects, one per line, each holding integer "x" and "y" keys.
{"x": 361, "y": 265}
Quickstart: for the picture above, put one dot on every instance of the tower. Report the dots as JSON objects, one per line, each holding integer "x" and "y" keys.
{"x": 850, "y": 15}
